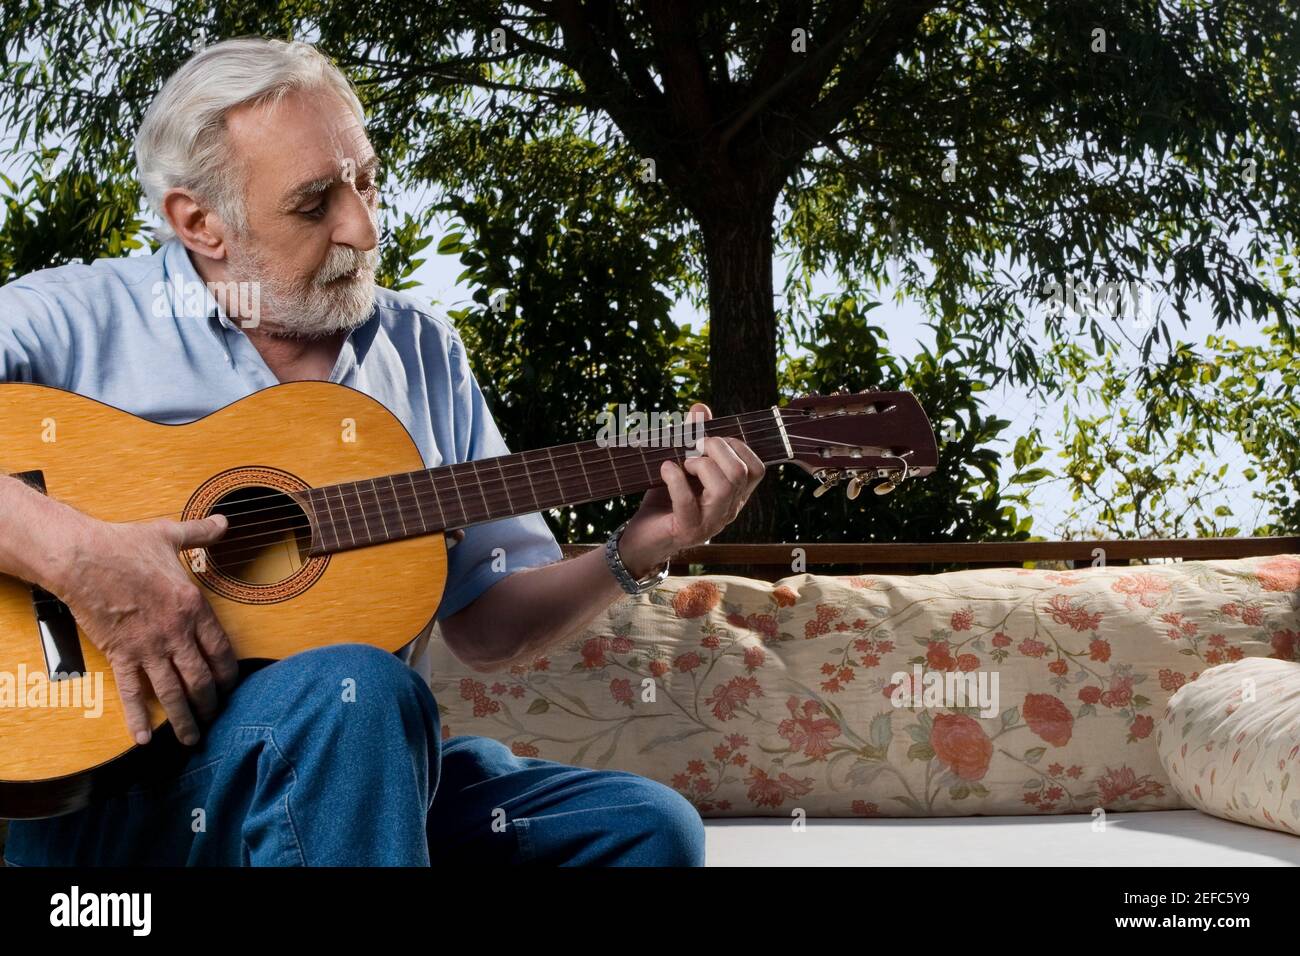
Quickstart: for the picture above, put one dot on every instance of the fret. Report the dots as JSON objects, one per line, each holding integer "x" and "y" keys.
{"x": 769, "y": 446}
{"x": 482, "y": 492}
{"x": 320, "y": 522}
{"x": 620, "y": 482}
{"x": 615, "y": 472}
{"x": 397, "y": 501}
{"x": 667, "y": 436}
{"x": 456, "y": 485}
{"x": 461, "y": 477}
{"x": 379, "y": 504}
{"x": 575, "y": 494}
{"x": 505, "y": 484}
{"x": 696, "y": 435}
{"x": 582, "y": 463}
{"x": 613, "y": 469}
{"x": 308, "y": 508}
{"x": 415, "y": 496}
{"x": 665, "y": 454}
{"x": 560, "y": 493}
{"x": 646, "y": 465}
{"x": 361, "y": 509}
{"x": 442, "y": 512}
{"x": 537, "y": 502}
{"x": 334, "y": 521}
{"x": 346, "y": 517}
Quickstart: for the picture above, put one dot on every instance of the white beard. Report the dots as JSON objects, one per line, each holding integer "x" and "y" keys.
{"x": 289, "y": 308}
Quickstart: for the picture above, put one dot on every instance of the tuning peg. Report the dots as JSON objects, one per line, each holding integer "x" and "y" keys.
{"x": 855, "y": 487}
{"x": 884, "y": 488}
{"x": 829, "y": 479}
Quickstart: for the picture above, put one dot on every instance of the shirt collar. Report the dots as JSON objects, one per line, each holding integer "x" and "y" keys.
{"x": 188, "y": 295}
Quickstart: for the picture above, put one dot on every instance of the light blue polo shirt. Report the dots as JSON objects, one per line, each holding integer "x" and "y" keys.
{"x": 145, "y": 335}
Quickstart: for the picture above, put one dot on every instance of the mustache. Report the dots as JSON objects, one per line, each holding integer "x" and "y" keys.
{"x": 343, "y": 260}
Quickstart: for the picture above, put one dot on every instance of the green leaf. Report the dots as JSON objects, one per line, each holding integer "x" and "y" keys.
{"x": 882, "y": 730}
{"x": 923, "y": 752}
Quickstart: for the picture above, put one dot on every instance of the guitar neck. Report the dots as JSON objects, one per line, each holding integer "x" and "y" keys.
{"x": 359, "y": 514}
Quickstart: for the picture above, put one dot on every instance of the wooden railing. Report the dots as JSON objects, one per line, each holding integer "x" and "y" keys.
{"x": 776, "y": 560}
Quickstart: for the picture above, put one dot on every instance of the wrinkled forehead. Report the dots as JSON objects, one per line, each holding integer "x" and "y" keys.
{"x": 307, "y": 138}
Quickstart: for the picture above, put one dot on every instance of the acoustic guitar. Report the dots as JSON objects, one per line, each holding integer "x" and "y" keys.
{"x": 317, "y": 551}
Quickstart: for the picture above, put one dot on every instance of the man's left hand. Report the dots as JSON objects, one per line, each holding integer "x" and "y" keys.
{"x": 699, "y": 498}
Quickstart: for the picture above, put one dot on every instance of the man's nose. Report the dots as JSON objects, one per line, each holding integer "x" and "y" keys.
{"x": 357, "y": 226}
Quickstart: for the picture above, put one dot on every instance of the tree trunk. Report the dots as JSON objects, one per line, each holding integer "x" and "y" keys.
{"x": 738, "y": 247}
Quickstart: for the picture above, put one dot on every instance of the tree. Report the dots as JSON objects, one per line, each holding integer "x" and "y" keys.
{"x": 1226, "y": 454}
{"x": 570, "y": 317}
{"x": 832, "y": 345}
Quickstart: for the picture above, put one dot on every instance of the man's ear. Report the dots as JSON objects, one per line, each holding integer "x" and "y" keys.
{"x": 198, "y": 226}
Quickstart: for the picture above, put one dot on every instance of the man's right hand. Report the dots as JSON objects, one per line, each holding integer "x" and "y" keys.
{"x": 136, "y": 603}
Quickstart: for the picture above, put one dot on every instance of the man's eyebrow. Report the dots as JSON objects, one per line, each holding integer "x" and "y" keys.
{"x": 321, "y": 184}
{"x": 309, "y": 188}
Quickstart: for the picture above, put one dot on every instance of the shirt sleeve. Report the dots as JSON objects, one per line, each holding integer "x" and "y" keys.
{"x": 495, "y": 549}
{"x": 35, "y": 343}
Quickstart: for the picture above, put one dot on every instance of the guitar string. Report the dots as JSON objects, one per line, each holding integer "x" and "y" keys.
{"x": 484, "y": 477}
{"x": 626, "y": 456}
{"x": 764, "y": 416}
{"x": 733, "y": 419}
{"x": 483, "y": 484}
{"x": 407, "y": 506}
{"x": 521, "y": 463}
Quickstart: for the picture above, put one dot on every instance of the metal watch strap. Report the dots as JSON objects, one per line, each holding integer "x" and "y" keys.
{"x": 624, "y": 577}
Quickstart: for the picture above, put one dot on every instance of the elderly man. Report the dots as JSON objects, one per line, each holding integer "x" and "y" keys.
{"x": 255, "y": 155}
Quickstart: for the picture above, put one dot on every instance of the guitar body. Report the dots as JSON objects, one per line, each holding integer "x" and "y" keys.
{"x": 273, "y": 601}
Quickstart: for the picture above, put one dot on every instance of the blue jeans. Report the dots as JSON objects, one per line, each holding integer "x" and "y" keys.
{"x": 334, "y": 757}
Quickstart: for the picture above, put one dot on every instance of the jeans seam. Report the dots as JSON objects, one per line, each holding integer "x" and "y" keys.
{"x": 293, "y": 780}
{"x": 527, "y": 851}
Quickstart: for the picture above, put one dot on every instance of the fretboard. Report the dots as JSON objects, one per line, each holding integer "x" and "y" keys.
{"x": 376, "y": 510}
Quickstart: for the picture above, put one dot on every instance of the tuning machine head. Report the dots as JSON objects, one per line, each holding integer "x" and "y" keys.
{"x": 858, "y": 480}
{"x": 829, "y": 478}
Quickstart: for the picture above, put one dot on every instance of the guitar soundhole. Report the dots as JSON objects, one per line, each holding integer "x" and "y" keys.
{"x": 268, "y": 540}
{"x": 266, "y": 555}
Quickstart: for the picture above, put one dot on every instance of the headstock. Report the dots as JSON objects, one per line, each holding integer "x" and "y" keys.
{"x": 863, "y": 436}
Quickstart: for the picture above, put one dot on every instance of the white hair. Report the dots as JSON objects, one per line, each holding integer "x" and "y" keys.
{"x": 182, "y": 140}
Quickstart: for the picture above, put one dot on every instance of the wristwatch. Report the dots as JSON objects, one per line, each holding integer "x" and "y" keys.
{"x": 624, "y": 577}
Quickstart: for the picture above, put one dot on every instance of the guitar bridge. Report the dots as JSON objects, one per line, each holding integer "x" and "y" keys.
{"x": 54, "y": 621}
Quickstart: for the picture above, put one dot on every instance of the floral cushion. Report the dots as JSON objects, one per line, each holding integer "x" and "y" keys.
{"x": 1229, "y": 743}
{"x": 861, "y": 696}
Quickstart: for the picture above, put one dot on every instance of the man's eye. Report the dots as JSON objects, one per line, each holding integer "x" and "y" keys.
{"x": 315, "y": 212}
